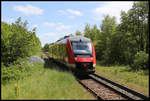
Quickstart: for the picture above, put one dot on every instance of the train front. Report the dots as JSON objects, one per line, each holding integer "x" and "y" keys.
{"x": 84, "y": 54}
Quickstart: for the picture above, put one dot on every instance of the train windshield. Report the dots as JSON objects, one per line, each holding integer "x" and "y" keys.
{"x": 82, "y": 48}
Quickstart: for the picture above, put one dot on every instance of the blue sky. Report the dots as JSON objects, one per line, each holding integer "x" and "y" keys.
{"x": 57, "y": 19}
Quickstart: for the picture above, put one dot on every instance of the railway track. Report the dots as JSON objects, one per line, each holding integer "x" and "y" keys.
{"x": 105, "y": 89}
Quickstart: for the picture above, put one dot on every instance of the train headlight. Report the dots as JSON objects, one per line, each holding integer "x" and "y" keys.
{"x": 75, "y": 59}
{"x": 94, "y": 65}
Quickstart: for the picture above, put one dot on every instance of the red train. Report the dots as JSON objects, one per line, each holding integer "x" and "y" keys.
{"x": 75, "y": 51}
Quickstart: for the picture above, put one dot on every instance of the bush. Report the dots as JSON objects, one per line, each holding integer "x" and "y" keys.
{"x": 18, "y": 71}
{"x": 18, "y": 42}
{"x": 10, "y": 73}
{"x": 15, "y": 72}
{"x": 140, "y": 60}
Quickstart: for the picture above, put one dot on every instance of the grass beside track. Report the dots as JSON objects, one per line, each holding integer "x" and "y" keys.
{"x": 45, "y": 83}
{"x": 137, "y": 80}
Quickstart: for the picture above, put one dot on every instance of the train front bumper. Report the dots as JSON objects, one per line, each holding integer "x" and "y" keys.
{"x": 82, "y": 71}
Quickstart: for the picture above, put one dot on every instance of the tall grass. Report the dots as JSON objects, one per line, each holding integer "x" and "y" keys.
{"x": 138, "y": 80}
{"x": 45, "y": 83}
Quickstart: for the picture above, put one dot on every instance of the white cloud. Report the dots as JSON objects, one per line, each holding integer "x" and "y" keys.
{"x": 59, "y": 23}
{"x": 70, "y": 13}
{"x": 34, "y": 25}
{"x": 49, "y": 24}
{"x": 47, "y": 35}
{"x": 62, "y": 27}
{"x": 28, "y": 10}
{"x": 74, "y": 12}
{"x": 112, "y": 9}
{"x": 10, "y": 20}
{"x": 59, "y": 26}
{"x": 62, "y": 12}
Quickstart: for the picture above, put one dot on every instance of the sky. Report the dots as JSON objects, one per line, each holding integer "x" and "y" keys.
{"x": 57, "y": 19}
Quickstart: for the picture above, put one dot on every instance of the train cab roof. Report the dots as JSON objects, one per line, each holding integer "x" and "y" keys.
{"x": 79, "y": 38}
{"x": 74, "y": 38}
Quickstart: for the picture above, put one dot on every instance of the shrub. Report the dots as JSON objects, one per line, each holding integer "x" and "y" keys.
{"x": 140, "y": 60}
{"x": 18, "y": 41}
{"x": 18, "y": 70}
{"x": 15, "y": 72}
{"x": 10, "y": 73}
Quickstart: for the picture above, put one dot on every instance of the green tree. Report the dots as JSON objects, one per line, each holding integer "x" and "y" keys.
{"x": 95, "y": 34}
{"x": 18, "y": 41}
{"x": 70, "y": 34}
{"x": 87, "y": 31}
{"x": 78, "y": 33}
{"x": 46, "y": 47}
{"x": 134, "y": 26}
{"x": 5, "y": 42}
{"x": 103, "y": 46}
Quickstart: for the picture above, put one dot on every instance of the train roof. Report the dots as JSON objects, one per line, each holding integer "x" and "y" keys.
{"x": 79, "y": 38}
{"x": 74, "y": 38}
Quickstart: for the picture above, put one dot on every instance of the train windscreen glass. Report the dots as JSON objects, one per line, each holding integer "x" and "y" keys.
{"x": 82, "y": 48}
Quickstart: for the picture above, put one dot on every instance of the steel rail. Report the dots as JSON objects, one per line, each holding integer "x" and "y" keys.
{"x": 106, "y": 89}
{"x": 122, "y": 89}
{"x": 119, "y": 90}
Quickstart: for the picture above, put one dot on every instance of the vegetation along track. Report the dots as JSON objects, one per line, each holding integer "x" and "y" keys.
{"x": 105, "y": 89}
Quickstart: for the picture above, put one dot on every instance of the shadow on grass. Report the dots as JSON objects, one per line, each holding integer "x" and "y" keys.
{"x": 53, "y": 64}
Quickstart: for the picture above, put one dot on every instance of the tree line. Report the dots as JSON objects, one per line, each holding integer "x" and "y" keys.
{"x": 125, "y": 43}
{"x": 17, "y": 41}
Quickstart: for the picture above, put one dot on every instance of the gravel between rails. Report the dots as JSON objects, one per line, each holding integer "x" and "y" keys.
{"x": 101, "y": 91}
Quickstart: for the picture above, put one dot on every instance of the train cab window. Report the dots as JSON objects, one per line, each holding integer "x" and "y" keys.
{"x": 82, "y": 48}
